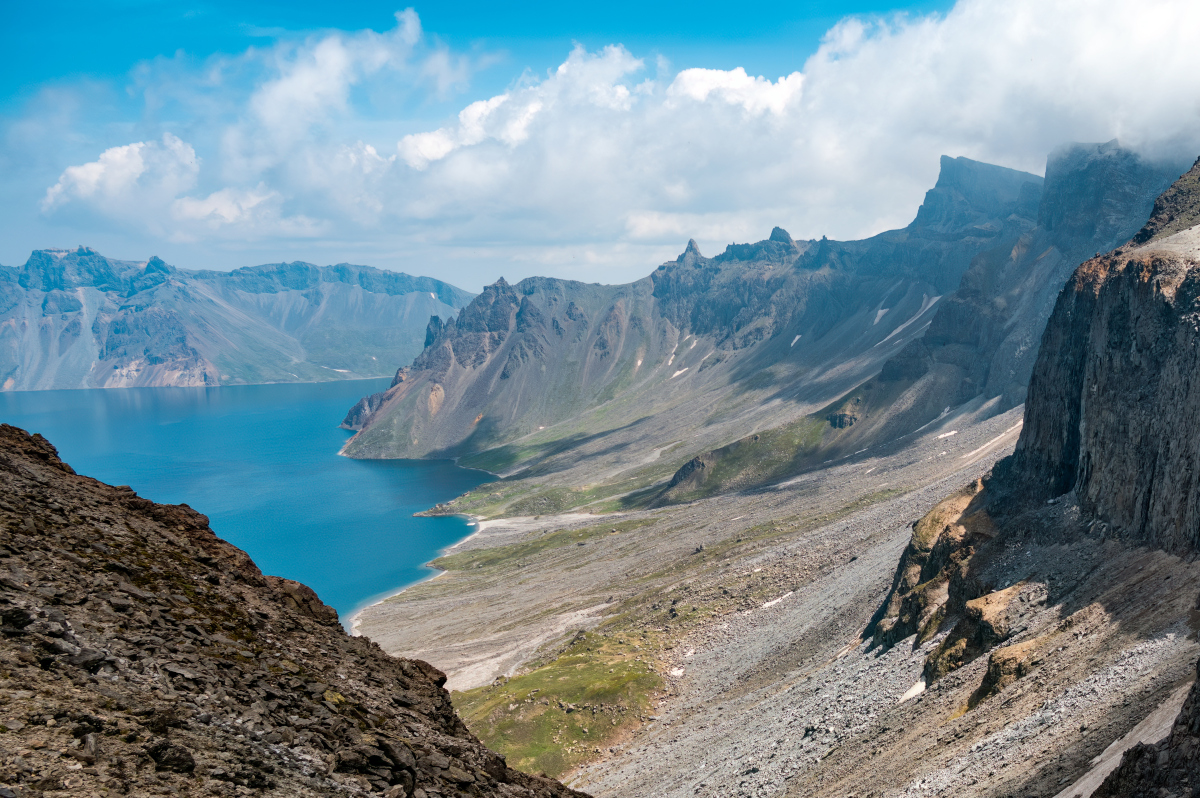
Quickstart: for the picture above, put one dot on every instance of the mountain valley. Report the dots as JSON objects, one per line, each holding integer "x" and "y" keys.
{"x": 926, "y": 614}
{"x": 804, "y": 519}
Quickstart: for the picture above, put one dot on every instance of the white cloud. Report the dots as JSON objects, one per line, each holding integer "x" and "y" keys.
{"x": 601, "y": 159}
{"x": 735, "y": 87}
{"x": 128, "y": 177}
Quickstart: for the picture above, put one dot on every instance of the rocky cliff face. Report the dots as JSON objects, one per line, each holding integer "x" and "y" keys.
{"x": 140, "y": 655}
{"x": 1112, "y": 405}
{"x": 75, "y": 319}
{"x": 981, "y": 340}
{"x": 1107, "y": 452}
{"x": 797, "y": 321}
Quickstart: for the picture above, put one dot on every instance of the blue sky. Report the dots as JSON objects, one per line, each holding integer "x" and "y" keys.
{"x": 470, "y": 140}
{"x": 104, "y": 40}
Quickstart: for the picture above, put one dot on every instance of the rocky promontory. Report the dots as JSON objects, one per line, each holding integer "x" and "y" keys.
{"x": 1113, "y": 410}
{"x": 142, "y": 655}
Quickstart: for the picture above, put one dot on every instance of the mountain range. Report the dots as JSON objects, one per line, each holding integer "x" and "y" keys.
{"x": 769, "y": 358}
{"x": 76, "y": 319}
{"x": 910, "y": 516}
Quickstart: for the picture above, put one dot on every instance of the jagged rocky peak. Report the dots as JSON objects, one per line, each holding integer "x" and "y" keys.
{"x": 143, "y": 655}
{"x": 1100, "y": 191}
{"x": 433, "y": 329}
{"x": 1113, "y": 412}
{"x": 690, "y": 255}
{"x": 969, "y": 192}
{"x": 780, "y": 235}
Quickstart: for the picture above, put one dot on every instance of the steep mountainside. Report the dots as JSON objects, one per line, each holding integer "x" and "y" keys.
{"x": 75, "y": 319}
{"x": 981, "y": 342}
{"x": 710, "y": 348}
{"x": 1110, "y": 435}
{"x": 142, "y": 655}
{"x": 1112, "y": 401}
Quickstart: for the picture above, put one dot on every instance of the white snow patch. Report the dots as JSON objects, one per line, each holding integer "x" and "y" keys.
{"x": 794, "y": 340}
{"x": 913, "y": 691}
{"x": 773, "y": 602}
{"x": 926, "y": 303}
{"x": 947, "y": 434}
{"x": 879, "y": 314}
{"x": 676, "y": 374}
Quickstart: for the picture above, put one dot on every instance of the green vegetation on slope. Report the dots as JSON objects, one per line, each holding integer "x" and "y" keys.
{"x": 594, "y": 688}
{"x": 553, "y": 717}
{"x": 518, "y": 552}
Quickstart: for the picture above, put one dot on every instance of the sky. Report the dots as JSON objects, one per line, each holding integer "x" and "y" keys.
{"x": 471, "y": 140}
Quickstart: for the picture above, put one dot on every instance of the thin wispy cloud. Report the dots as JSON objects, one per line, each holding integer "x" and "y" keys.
{"x": 607, "y": 164}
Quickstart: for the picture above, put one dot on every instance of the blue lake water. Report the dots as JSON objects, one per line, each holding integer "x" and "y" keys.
{"x": 261, "y": 461}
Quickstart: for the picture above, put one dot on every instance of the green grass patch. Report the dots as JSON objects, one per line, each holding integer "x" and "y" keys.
{"x": 552, "y": 718}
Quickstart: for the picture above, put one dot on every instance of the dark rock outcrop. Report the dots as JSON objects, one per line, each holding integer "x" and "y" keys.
{"x": 1113, "y": 411}
{"x": 140, "y": 654}
{"x": 1170, "y": 767}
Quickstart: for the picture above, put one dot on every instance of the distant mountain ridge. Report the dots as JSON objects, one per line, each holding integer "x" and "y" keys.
{"x": 76, "y": 319}
{"x": 703, "y": 346}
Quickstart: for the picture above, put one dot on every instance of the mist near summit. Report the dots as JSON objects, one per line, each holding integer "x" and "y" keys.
{"x": 596, "y": 169}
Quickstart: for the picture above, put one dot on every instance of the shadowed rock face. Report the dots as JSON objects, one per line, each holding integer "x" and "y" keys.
{"x": 535, "y": 354}
{"x": 1170, "y": 767}
{"x": 1114, "y": 418}
{"x": 981, "y": 341}
{"x": 1113, "y": 410}
{"x": 1095, "y": 197}
{"x": 143, "y": 655}
{"x": 76, "y": 319}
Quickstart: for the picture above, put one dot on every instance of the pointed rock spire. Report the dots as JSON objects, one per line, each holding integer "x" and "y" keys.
{"x": 691, "y": 256}
{"x": 781, "y": 235}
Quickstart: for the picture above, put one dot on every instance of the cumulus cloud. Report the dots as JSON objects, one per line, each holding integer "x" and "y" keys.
{"x": 601, "y": 162}
{"x": 127, "y": 178}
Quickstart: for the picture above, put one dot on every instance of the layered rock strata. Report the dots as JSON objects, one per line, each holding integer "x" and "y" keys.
{"x": 140, "y": 654}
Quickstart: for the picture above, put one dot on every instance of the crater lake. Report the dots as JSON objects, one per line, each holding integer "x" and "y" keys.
{"x": 262, "y": 462}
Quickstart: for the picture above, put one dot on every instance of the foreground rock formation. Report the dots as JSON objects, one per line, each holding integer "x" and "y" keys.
{"x": 76, "y": 319}
{"x": 142, "y": 655}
